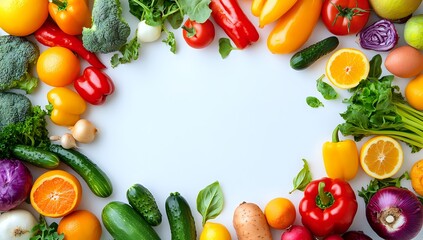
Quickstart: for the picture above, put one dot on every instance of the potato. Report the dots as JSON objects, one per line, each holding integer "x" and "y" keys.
{"x": 250, "y": 223}
{"x": 404, "y": 62}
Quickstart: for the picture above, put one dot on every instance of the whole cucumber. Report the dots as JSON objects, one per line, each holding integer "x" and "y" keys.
{"x": 141, "y": 199}
{"x": 36, "y": 156}
{"x": 124, "y": 223}
{"x": 307, "y": 56}
{"x": 181, "y": 221}
{"x": 95, "y": 178}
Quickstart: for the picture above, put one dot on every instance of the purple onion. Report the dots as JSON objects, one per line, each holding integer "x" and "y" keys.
{"x": 379, "y": 36}
{"x": 15, "y": 183}
{"x": 395, "y": 213}
{"x": 355, "y": 235}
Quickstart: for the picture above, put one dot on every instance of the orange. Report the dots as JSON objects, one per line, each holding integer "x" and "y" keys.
{"x": 347, "y": 67}
{"x": 80, "y": 224}
{"x": 381, "y": 157}
{"x": 58, "y": 66}
{"x": 56, "y": 193}
{"x": 414, "y": 92}
{"x": 280, "y": 213}
{"x": 22, "y": 17}
{"x": 215, "y": 231}
{"x": 416, "y": 176}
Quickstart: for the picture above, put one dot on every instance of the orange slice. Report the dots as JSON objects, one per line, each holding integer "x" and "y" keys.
{"x": 381, "y": 157}
{"x": 347, "y": 67}
{"x": 56, "y": 193}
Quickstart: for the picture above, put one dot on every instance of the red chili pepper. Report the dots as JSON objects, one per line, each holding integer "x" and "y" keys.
{"x": 94, "y": 85}
{"x": 230, "y": 17}
{"x": 328, "y": 207}
{"x": 49, "y": 34}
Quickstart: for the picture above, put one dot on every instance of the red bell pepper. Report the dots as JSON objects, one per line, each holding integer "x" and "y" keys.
{"x": 94, "y": 85}
{"x": 230, "y": 17}
{"x": 328, "y": 207}
{"x": 49, "y": 34}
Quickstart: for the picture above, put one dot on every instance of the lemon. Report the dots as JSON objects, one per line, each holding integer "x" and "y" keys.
{"x": 394, "y": 9}
{"x": 215, "y": 231}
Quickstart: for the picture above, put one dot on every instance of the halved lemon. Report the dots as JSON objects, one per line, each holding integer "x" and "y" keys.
{"x": 381, "y": 157}
{"x": 347, "y": 67}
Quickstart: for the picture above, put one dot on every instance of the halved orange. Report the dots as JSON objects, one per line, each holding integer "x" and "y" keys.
{"x": 347, "y": 67}
{"x": 56, "y": 193}
{"x": 381, "y": 157}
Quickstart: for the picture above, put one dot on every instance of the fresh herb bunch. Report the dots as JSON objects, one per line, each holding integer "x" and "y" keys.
{"x": 376, "y": 107}
{"x": 32, "y": 131}
{"x": 43, "y": 231}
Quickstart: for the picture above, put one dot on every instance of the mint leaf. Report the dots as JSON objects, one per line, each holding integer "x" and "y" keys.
{"x": 210, "y": 201}
{"x": 314, "y": 102}
{"x": 197, "y": 10}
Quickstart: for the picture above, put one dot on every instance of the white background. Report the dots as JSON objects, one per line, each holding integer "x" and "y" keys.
{"x": 178, "y": 122}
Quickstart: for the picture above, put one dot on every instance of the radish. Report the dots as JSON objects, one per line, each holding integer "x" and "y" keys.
{"x": 297, "y": 232}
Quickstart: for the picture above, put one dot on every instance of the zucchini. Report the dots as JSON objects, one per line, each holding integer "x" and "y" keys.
{"x": 141, "y": 199}
{"x": 36, "y": 156}
{"x": 95, "y": 178}
{"x": 124, "y": 223}
{"x": 307, "y": 56}
{"x": 181, "y": 221}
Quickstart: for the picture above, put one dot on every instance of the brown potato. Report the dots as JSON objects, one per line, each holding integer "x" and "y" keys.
{"x": 250, "y": 223}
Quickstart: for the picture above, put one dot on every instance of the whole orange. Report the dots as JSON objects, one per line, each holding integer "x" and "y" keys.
{"x": 58, "y": 66}
{"x": 280, "y": 213}
{"x": 22, "y": 17}
{"x": 80, "y": 224}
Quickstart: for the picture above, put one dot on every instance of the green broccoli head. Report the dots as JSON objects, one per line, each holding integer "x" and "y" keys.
{"x": 109, "y": 31}
{"x": 14, "y": 107}
{"x": 17, "y": 55}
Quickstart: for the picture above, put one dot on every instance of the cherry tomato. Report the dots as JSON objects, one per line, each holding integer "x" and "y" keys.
{"x": 343, "y": 17}
{"x": 198, "y": 35}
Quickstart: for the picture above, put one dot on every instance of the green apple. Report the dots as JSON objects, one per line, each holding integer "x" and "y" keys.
{"x": 394, "y": 9}
{"x": 413, "y": 31}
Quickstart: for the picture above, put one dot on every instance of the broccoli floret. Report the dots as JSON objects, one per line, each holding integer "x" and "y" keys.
{"x": 14, "y": 108}
{"x": 109, "y": 30}
{"x": 17, "y": 55}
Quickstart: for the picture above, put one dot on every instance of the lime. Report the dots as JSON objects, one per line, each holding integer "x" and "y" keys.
{"x": 413, "y": 31}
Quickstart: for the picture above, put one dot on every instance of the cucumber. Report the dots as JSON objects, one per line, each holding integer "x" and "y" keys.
{"x": 307, "y": 56}
{"x": 141, "y": 199}
{"x": 95, "y": 178}
{"x": 36, "y": 156}
{"x": 181, "y": 221}
{"x": 124, "y": 223}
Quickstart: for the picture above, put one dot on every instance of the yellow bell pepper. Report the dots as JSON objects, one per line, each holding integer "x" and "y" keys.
{"x": 295, "y": 27}
{"x": 270, "y": 10}
{"x": 340, "y": 158}
{"x": 67, "y": 106}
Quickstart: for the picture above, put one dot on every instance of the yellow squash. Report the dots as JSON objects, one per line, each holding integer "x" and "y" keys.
{"x": 269, "y": 11}
{"x": 295, "y": 27}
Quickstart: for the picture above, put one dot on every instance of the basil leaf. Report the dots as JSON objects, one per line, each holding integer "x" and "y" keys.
{"x": 210, "y": 201}
{"x": 302, "y": 179}
{"x": 314, "y": 102}
{"x": 327, "y": 91}
{"x": 225, "y": 47}
{"x": 375, "y": 67}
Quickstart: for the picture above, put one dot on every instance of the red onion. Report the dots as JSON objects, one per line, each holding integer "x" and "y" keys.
{"x": 15, "y": 183}
{"x": 379, "y": 36}
{"x": 395, "y": 213}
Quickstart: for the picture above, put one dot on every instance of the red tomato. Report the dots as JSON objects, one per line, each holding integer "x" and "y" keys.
{"x": 198, "y": 35}
{"x": 343, "y": 17}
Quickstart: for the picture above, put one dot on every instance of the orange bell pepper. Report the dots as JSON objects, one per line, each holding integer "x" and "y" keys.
{"x": 70, "y": 15}
{"x": 295, "y": 27}
{"x": 66, "y": 106}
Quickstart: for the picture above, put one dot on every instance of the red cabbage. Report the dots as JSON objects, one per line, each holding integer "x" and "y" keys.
{"x": 15, "y": 183}
{"x": 379, "y": 36}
